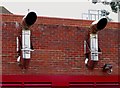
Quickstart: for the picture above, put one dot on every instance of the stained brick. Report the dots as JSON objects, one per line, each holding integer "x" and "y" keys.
{"x": 58, "y": 45}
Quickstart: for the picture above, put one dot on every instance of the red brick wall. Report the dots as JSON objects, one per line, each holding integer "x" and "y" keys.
{"x": 58, "y": 46}
{"x": 119, "y": 52}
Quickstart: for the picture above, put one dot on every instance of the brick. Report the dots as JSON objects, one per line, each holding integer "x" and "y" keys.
{"x": 58, "y": 45}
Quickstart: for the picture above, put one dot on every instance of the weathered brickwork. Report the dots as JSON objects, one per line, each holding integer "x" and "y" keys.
{"x": 58, "y": 46}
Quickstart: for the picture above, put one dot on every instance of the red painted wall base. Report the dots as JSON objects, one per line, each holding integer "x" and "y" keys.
{"x": 60, "y": 80}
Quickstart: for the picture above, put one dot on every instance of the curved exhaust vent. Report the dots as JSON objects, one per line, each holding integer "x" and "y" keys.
{"x": 102, "y": 23}
{"x": 29, "y": 19}
{"x": 99, "y": 25}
